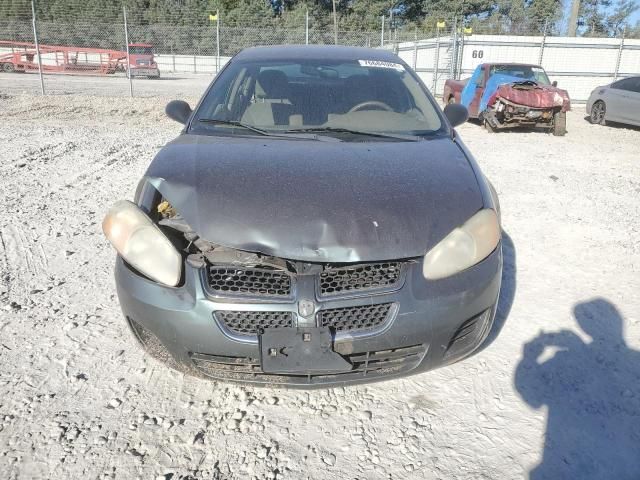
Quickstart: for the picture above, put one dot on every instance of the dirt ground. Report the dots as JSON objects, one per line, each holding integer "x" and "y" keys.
{"x": 555, "y": 392}
{"x": 177, "y": 85}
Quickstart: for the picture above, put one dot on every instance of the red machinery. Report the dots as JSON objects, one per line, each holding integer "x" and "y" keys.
{"x": 77, "y": 60}
{"x": 142, "y": 63}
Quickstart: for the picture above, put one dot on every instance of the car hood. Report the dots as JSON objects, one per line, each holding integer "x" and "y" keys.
{"x": 535, "y": 96}
{"x": 318, "y": 201}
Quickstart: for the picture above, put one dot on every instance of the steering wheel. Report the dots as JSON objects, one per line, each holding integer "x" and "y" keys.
{"x": 371, "y": 103}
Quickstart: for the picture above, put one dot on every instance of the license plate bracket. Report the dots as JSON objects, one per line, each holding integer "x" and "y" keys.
{"x": 300, "y": 351}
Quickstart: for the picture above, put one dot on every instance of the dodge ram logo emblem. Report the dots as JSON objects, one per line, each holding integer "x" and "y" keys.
{"x": 306, "y": 308}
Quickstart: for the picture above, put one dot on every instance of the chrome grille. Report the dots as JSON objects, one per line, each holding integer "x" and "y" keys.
{"x": 251, "y": 323}
{"x": 369, "y": 276}
{"x": 362, "y": 317}
{"x": 261, "y": 282}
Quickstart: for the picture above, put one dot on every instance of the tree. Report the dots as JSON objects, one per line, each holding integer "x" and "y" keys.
{"x": 619, "y": 19}
{"x": 596, "y": 21}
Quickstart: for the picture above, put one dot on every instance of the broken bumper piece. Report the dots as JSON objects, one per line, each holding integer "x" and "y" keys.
{"x": 309, "y": 337}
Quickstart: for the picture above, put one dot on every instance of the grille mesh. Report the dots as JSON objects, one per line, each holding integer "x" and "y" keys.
{"x": 359, "y": 277}
{"x": 249, "y": 281}
{"x": 250, "y": 323}
{"x": 365, "y": 317}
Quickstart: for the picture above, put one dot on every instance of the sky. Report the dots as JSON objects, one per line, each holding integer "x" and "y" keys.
{"x": 635, "y": 17}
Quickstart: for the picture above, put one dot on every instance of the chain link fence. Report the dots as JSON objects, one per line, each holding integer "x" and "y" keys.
{"x": 122, "y": 57}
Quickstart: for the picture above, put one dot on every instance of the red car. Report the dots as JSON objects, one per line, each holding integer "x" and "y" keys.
{"x": 142, "y": 63}
{"x": 507, "y": 95}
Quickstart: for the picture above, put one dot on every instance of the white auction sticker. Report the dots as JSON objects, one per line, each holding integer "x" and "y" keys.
{"x": 381, "y": 64}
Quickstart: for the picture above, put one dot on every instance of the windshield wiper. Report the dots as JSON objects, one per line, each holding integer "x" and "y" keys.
{"x": 235, "y": 123}
{"x": 411, "y": 138}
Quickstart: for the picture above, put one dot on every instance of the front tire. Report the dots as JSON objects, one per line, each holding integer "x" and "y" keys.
{"x": 598, "y": 112}
{"x": 560, "y": 124}
{"x": 489, "y": 127}
{"x": 7, "y": 67}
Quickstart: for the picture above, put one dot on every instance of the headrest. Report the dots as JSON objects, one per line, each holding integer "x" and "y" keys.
{"x": 272, "y": 84}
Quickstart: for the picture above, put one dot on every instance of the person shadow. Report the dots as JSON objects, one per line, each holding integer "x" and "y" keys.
{"x": 592, "y": 392}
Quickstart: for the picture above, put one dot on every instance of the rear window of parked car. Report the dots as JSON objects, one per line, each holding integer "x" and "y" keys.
{"x": 631, "y": 84}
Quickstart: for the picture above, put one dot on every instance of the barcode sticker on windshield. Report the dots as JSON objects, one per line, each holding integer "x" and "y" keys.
{"x": 381, "y": 64}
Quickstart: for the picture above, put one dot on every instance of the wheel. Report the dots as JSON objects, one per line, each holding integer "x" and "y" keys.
{"x": 488, "y": 127}
{"x": 559, "y": 124}
{"x": 598, "y": 111}
{"x": 7, "y": 67}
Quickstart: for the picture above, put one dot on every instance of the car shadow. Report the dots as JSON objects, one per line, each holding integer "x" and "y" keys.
{"x": 617, "y": 125}
{"x": 479, "y": 124}
{"x": 591, "y": 390}
{"x": 507, "y": 291}
{"x": 160, "y": 79}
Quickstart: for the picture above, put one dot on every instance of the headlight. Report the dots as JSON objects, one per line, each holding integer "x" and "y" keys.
{"x": 463, "y": 247}
{"x": 141, "y": 243}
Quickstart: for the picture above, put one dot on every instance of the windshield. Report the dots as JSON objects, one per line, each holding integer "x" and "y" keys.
{"x": 526, "y": 72}
{"x": 138, "y": 50}
{"x": 347, "y": 97}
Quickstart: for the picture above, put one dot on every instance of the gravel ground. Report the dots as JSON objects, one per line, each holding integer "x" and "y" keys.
{"x": 177, "y": 85}
{"x": 555, "y": 392}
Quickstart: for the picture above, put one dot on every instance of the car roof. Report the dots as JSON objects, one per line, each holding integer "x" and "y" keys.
{"x": 493, "y": 64}
{"x": 316, "y": 52}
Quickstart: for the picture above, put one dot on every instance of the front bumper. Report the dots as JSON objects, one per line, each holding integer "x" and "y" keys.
{"x": 145, "y": 72}
{"x": 433, "y": 323}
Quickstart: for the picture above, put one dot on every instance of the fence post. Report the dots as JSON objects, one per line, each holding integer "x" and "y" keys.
{"x": 35, "y": 39}
{"x": 126, "y": 40}
{"x": 382, "y": 33}
{"x": 217, "y": 41}
{"x": 460, "y": 52}
{"x": 544, "y": 39}
{"x": 436, "y": 61}
{"x": 453, "y": 63}
{"x": 415, "y": 48}
{"x": 335, "y": 24}
{"x": 395, "y": 40}
{"x": 306, "y": 27}
{"x": 615, "y": 73}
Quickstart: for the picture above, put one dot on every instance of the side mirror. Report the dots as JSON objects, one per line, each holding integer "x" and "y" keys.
{"x": 178, "y": 110}
{"x": 554, "y": 83}
{"x": 456, "y": 113}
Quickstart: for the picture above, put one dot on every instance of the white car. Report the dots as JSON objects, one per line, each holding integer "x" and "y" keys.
{"x": 617, "y": 102}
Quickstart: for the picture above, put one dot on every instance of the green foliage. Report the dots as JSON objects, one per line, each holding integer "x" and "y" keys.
{"x": 598, "y": 17}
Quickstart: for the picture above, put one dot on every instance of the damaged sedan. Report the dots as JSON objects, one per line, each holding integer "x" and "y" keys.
{"x": 318, "y": 221}
{"x": 511, "y": 95}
